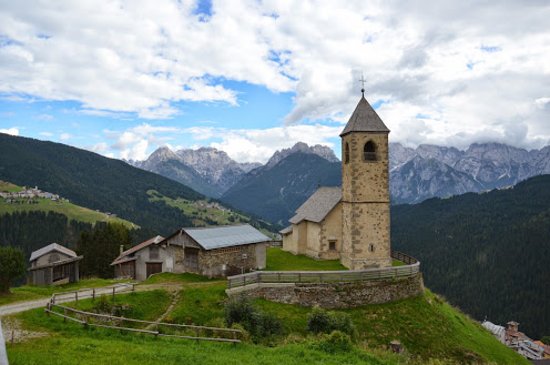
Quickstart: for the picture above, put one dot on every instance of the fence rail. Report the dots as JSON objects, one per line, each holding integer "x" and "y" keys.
{"x": 3, "y": 352}
{"x": 93, "y": 292}
{"x": 411, "y": 267}
{"x": 160, "y": 329}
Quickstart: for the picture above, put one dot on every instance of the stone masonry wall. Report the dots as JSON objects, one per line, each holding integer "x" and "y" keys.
{"x": 365, "y": 204}
{"x": 339, "y": 295}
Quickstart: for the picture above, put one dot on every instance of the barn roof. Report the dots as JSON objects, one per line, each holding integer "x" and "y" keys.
{"x": 364, "y": 119}
{"x": 52, "y": 247}
{"x": 316, "y": 208}
{"x": 211, "y": 238}
{"x": 121, "y": 258}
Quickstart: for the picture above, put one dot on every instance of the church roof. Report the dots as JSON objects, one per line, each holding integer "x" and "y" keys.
{"x": 318, "y": 206}
{"x": 364, "y": 119}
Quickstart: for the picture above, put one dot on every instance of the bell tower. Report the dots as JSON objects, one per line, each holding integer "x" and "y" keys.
{"x": 365, "y": 190}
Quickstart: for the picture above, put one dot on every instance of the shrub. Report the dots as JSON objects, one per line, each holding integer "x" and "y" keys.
{"x": 321, "y": 321}
{"x": 336, "y": 341}
{"x": 260, "y": 325}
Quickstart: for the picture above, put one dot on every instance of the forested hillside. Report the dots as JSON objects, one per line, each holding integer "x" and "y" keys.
{"x": 274, "y": 193}
{"x": 93, "y": 181}
{"x": 487, "y": 253}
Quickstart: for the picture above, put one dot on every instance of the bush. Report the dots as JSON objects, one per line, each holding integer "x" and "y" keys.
{"x": 258, "y": 324}
{"x": 337, "y": 341}
{"x": 321, "y": 321}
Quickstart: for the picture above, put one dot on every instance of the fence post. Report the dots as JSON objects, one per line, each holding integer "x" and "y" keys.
{"x": 76, "y": 296}
{"x": 3, "y": 352}
{"x": 133, "y": 287}
{"x": 113, "y": 293}
{"x": 93, "y": 294}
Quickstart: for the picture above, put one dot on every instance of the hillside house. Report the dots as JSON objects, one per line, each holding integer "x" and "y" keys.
{"x": 516, "y": 340}
{"x": 143, "y": 260}
{"x": 53, "y": 265}
{"x": 210, "y": 251}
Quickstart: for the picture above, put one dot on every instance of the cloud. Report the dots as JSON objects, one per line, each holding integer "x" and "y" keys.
{"x": 475, "y": 75}
{"x": 46, "y": 134}
{"x": 65, "y": 136}
{"x": 258, "y": 145}
{"x": 134, "y": 143}
{"x": 14, "y": 131}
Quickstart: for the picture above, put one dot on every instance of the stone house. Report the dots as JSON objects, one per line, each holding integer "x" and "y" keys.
{"x": 354, "y": 223}
{"x": 143, "y": 260}
{"x": 210, "y": 251}
{"x": 53, "y": 265}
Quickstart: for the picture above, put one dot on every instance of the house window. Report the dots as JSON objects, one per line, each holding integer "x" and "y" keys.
{"x": 369, "y": 151}
{"x": 332, "y": 245}
{"x": 153, "y": 253}
{"x": 371, "y": 248}
{"x": 346, "y": 153}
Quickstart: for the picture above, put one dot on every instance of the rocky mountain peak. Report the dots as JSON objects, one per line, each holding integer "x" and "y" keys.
{"x": 319, "y": 150}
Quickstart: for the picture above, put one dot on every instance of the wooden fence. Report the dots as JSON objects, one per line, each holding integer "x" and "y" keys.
{"x": 411, "y": 267}
{"x": 3, "y": 352}
{"x": 93, "y": 292}
{"x": 159, "y": 329}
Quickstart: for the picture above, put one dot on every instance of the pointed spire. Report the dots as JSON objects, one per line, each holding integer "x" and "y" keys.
{"x": 364, "y": 119}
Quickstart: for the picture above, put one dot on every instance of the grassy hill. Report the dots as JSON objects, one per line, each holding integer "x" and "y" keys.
{"x": 90, "y": 180}
{"x": 72, "y": 211}
{"x": 432, "y": 332}
{"x": 487, "y": 253}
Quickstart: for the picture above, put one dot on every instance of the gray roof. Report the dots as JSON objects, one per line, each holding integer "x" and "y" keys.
{"x": 286, "y": 230}
{"x": 316, "y": 208}
{"x": 364, "y": 119}
{"x": 49, "y": 248}
{"x": 211, "y": 238}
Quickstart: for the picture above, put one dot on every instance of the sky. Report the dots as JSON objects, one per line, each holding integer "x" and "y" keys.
{"x": 122, "y": 78}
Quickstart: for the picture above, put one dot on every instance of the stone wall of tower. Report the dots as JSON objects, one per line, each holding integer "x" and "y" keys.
{"x": 365, "y": 203}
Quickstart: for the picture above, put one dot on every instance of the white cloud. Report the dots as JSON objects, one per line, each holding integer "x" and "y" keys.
{"x": 473, "y": 74}
{"x": 46, "y": 134}
{"x": 258, "y": 145}
{"x": 135, "y": 143}
{"x": 14, "y": 131}
{"x": 65, "y": 136}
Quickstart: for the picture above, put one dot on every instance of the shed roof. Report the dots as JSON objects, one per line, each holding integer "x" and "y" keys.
{"x": 364, "y": 119}
{"x": 286, "y": 230}
{"x": 316, "y": 208}
{"x": 52, "y": 247}
{"x": 121, "y": 258}
{"x": 211, "y": 238}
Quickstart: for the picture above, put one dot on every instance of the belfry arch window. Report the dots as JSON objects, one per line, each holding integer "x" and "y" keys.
{"x": 346, "y": 152}
{"x": 369, "y": 151}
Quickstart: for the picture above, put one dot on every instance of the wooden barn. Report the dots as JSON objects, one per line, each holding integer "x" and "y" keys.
{"x": 53, "y": 265}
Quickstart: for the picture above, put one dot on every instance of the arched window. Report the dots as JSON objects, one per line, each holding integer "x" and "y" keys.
{"x": 369, "y": 151}
{"x": 346, "y": 153}
{"x": 371, "y": 248}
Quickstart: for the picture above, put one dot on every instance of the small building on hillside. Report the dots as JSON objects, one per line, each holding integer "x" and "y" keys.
{"x": 210, "y": 251}
{"x": 316, "y": 228}
{"x": 218, "y": 251}
{"x": 143, "y": 260}
{"x": 53, "y": 265}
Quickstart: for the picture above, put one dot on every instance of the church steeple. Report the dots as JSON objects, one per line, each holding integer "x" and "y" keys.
{"x": 365, "y": 190}
{"x": 364, "y": 119}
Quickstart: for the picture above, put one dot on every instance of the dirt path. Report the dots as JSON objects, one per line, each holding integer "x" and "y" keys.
{"x": 175, "y": 297}
{"x": 60, "y": 298}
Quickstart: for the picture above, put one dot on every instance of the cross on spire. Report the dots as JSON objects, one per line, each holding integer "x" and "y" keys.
{"x": 362, "y": 81}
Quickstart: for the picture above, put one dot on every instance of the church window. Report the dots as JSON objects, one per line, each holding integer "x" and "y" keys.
{"x": 346, "y": 153}
{"x": 370, "y": 151}
{"x": 332, "y": 245}
{"x": 371, "y": 248}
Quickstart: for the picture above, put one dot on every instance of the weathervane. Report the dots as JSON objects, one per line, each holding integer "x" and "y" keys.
{"x": 362, "y": 81}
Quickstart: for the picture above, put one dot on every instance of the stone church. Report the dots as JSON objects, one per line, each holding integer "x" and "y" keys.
{"x": 351, "y": 223}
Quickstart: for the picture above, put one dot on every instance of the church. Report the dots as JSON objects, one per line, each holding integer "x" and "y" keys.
{"x": 351, "y": 223}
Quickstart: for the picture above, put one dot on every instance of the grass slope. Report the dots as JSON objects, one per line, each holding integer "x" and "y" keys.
{"x": 277, "y": 259}
{"x": 72, "y": 211}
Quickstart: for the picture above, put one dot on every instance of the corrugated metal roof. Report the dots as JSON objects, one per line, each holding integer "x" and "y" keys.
{"x": 316, "y": 208}
{"x": 364, "y": 119}
{"x": 49, "y": 248}
{"x": 211, "y": 238}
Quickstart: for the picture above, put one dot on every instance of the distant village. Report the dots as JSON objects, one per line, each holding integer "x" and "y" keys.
{"x": 518, "y": 341}
{"x": 29, "y": 193}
